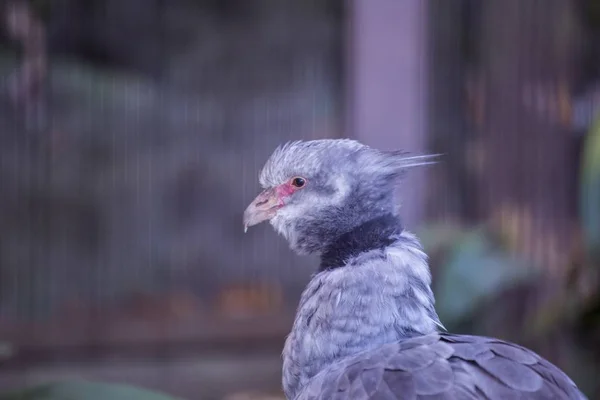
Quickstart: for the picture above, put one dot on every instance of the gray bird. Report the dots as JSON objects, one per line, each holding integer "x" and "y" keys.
{"x": 366, "y": 326}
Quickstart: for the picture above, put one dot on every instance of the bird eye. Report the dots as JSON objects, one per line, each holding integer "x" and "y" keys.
{"x": 298, "y": 182}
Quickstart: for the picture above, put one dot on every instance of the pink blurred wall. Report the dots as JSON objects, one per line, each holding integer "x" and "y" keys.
{"x": 386, "y": 104}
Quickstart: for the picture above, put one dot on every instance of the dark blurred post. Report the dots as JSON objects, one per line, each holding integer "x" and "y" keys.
{"x": 387, "y": 70}
{"x": 527, "y": 157}
{"x": 450, "y": 194}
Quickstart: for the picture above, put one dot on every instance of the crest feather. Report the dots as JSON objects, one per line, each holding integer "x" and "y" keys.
{"x": 308, "y": 157}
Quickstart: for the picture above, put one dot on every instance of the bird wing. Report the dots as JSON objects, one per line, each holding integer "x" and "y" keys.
{"x": 443, "y": 366}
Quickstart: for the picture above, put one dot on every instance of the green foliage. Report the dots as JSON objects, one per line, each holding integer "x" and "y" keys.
{"x": 6, "y": 350}
{"x": 473, "y": 270}
{"x": 590, "y": 191}
{"x": 84, "y": 391}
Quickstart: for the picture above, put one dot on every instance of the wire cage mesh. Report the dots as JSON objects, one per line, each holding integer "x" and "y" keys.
{"x": 122, "y": 206}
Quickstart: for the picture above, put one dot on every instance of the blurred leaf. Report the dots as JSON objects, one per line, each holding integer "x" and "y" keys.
{"x": 439, "y": 237}
{"x": 590, "y": 191}
{"x": 475, "y": 271}
{"x": 437, "y": 240}
{"x": 84, "y": 391}
{"x": 7, "y": 350}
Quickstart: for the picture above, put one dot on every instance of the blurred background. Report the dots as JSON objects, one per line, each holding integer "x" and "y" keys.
{"x": 132, "y": 133}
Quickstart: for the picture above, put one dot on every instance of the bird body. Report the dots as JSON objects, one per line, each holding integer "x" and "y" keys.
{"x": 366, "y": 325}
{"x": 442, "y": 366}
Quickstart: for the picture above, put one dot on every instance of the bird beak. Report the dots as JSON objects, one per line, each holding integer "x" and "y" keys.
{"x": 262, "y": 208}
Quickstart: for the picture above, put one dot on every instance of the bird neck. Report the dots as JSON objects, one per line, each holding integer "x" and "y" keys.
{"x": 380, "y": 246}
{"x": 373, "y": 289}
{"x": 374, "y": 234}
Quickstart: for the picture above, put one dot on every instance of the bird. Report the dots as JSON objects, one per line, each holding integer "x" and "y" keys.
{"x": 366, "y": 325}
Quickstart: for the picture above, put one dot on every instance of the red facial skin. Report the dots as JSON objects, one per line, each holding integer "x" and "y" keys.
{"x": 266, "y": 204}
{"x": 284, "y": 191}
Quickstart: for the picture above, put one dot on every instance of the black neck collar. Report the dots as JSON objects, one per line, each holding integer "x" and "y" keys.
{"x": 372, "y": 235}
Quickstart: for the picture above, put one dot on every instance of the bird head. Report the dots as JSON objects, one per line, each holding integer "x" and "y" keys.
{"x": 314, "y": 191}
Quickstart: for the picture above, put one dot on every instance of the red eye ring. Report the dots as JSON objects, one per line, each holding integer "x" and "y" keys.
{"x": 298, "y": 182}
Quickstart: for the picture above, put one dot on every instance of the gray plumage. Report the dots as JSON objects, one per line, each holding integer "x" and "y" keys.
{"x": 366, "y": 326}
{"x": 442, "y": 366}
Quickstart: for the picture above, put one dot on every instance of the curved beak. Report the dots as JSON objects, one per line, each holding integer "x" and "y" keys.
{"x": 263, "y": 208}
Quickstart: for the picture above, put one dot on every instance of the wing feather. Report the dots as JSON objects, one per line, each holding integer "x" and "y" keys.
{"x": 446, "y": 367}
